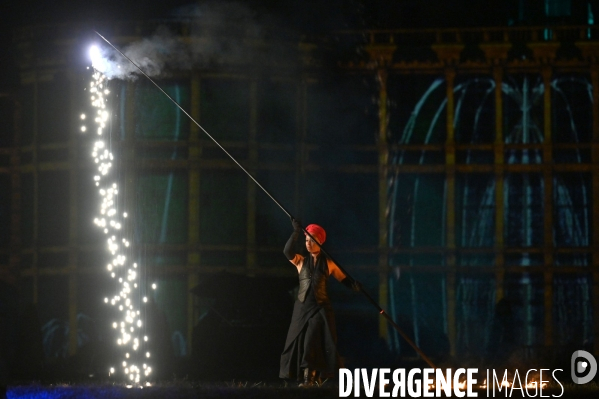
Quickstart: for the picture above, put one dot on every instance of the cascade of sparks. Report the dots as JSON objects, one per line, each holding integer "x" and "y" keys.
{"x": 110, "y": 220}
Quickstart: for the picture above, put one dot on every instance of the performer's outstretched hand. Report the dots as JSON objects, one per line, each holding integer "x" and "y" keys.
{"x": 356, "y": 286}
{"x": 352, "y": 284}
{"x": 297, "y": 225}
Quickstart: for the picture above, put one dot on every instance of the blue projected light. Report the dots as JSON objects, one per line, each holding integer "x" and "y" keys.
{"x": 80, "y": 392}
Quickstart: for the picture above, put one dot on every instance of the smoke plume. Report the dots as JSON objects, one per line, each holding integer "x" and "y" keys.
{"x": 218, "y": 34}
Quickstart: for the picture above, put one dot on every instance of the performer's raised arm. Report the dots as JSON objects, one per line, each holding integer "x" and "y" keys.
{"x": 290, "y": 249}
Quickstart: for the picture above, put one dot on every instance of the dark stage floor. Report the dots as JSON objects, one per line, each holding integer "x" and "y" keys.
{"x": 231, "y": 389}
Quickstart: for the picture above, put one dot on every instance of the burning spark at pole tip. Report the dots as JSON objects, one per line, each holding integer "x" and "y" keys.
{"x": 98, "y": 62}
{"x": 105, "y": 63}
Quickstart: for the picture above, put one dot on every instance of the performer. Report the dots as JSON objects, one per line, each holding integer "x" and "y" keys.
{"x": 310, "y": 351}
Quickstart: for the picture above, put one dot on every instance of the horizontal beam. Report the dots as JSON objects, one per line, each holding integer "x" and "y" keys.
{"x": 286, "y": 271}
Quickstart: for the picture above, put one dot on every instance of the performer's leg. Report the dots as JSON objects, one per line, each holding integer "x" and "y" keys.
{"x": 313, "y": 356}
{"x": 313, "y": 359}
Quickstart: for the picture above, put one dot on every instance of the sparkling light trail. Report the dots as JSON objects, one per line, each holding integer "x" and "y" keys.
{"x": 111, "y": 220}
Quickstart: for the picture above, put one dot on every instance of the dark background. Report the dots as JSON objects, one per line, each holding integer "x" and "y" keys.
{"x": 301, "y": 15}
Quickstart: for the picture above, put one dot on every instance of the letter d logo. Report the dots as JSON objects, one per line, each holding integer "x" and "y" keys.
{"x": 581, "y": 367}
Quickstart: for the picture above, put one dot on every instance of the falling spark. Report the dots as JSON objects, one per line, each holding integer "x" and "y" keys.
{"x": 111, "y": 224}
{"x": 533, "y": 385}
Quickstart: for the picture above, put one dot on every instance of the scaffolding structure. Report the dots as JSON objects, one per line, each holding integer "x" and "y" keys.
{"x": 49, "y": 172}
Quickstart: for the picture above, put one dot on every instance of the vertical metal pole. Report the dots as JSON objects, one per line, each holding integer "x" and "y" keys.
{"x": 73, "y": 216}
{"x": 129, "y": 168}
{"x": 595, "y": 178}
{"x": 251, "y": 187}
{"x": 499, "y": 182}
{"x": 36, "y": 191}
{"x": 300, "y": 143}
{"x": 383, "y": 229}
{"x": 128, "y": 145}
{"x": 16, "y": 194}
{"x": 450, "y": 232}
{"x": 193, "y": 210}
{"x": 548, "y": 207}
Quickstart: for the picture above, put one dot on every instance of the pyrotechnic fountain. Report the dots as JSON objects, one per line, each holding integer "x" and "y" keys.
{"x": 112, "y": 220}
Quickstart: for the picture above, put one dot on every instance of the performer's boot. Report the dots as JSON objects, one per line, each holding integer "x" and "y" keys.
{"x": 309, "y": 376}
{"x": 318, "y": 380}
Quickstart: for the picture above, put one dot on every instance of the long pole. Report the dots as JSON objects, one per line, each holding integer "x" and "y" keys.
{"x": 368, "y": 297}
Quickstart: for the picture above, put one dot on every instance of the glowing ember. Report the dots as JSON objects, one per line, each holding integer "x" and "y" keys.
{"x": 534, "y": 384}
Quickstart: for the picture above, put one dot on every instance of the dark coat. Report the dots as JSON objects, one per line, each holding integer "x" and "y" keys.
{"x": 312, "y": 338}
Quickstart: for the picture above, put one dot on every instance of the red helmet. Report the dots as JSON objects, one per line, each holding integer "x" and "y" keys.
{"x": 317, "y": 232}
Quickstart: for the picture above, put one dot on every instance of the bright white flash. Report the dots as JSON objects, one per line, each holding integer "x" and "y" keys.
{"x": 98, "y": 62}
